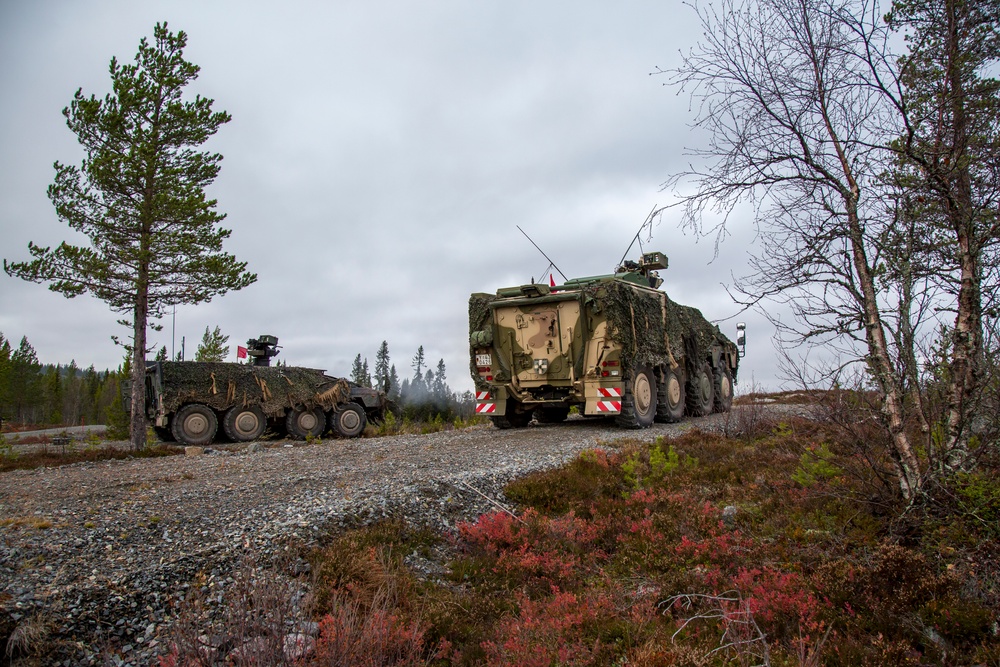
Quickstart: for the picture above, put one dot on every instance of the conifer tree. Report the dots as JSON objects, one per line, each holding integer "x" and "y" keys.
{"x": 139, "y": 196}
{"x": 382, "y": 368}
{"x": 212, "y": 347}
{"x": 25, "y": 382}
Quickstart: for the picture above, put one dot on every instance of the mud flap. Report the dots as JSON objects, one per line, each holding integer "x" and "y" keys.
{"x": 491, "y": 403}
{"x": 603, "y": 400}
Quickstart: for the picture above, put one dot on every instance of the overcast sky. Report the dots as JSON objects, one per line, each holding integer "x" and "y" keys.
{"x": 379, "y": 159}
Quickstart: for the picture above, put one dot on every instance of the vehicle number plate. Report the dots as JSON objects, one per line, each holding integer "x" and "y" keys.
{"x": 484, "y": 360}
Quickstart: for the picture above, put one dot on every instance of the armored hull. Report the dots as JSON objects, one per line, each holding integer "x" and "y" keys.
{"x": 611, "y": 345}
{"x": 191, "y": 401}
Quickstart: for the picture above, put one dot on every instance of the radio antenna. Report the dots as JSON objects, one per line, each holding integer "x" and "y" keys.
{"x": 635, "y": 238}
{"x": 553, "y": 264}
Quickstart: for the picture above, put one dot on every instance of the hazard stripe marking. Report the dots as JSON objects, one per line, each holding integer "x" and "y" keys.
{"x": 609, "y": 393}
{"x": 482, "y": 395}
{"x": 609, "y": 406}
{"x": 485, "y": 408}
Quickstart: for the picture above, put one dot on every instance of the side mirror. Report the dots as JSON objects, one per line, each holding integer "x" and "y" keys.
{"x": 741, "y": 338}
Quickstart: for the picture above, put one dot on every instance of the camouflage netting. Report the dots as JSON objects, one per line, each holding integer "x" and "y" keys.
{"x": 479, "y": 311}
{"x": 480, "y": 319}
{"x": 646, "y": 324}
{"x": 221, "y": 386}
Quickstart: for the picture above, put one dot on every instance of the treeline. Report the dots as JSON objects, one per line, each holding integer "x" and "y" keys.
{"x": 422, "y": 396}
{"x": 46, "y": 394}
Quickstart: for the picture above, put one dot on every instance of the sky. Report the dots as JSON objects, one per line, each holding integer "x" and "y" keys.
{"x": 380, "y": 158}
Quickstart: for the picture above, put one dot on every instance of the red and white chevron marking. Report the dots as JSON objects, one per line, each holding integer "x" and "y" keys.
{"x": 485, "y": 408}
{"x": 609, "y": 393}
{"x": 482, "y": 395}
{"x": 609, "y": 406}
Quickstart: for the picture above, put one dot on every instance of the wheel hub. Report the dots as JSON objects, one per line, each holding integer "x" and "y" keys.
{"x": 308, "y": 421}
{"x": 246, "y": 422}
{"x": 674, "y": 390}
{"x": 349, "y": 420}
{"x": 642, "y": 394}
{"x": 196, "y": 424}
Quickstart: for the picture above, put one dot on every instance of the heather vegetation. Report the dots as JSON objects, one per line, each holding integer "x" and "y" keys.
{"x": 778, "y": 544}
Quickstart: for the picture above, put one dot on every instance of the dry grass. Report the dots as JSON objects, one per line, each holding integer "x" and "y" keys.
{"x": 13, "y": 459}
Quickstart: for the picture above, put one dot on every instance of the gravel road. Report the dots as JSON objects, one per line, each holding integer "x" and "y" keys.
{"x": 99, "y": 550}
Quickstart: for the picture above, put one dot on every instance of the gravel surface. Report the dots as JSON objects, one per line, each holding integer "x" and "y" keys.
{"x": 100, "y": 551}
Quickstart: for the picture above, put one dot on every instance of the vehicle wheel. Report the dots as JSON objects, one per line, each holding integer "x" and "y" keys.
{"x": 243, "y": 424}
{"x": 723, "y": 389}
{"x": 348, "y": 420}
{"x": 670, "y": 398}
{"x": 638, "y": 400}
{"x": 514, "y": 418}
{"x": 554, "y": 415}
{"x": 163, "y": 433}
{"x": 194, "y": 424}
{"x": 701, "y": 391}
{"x": 302, "y": 423}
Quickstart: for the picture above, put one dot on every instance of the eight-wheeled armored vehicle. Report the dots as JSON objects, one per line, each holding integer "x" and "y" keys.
{"x": 187, "y": 401}
{"x": 611, "y": 345}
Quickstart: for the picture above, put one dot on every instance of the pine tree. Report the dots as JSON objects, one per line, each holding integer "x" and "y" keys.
{"x": 53, "y": 396}
{"x": 394, "y": 388}
{"x": 25, "y": 383}
{"x": 441, "y": 389}
{"x": 5, "y": 375}
{"x": 139, "y": 196}
{"x": 382, "y": 368}
{"x": 162, "y": 354}
{"x": 418, "y": 368}
{"x": 358, "y": 371}
{"x": 212, "y": 347}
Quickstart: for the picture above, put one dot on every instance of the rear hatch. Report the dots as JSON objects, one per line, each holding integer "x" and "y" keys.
{"x": 540, "y": 340}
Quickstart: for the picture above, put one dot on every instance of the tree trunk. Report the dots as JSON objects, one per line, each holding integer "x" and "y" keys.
{"x": 967, "y": 343}
{"x": 137, "y": 421}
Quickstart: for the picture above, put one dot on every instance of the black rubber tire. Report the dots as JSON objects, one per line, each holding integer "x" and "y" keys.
{"x": 701, "y": 391}
{"x": 723, "y": 389}
{"x": 194, "y": 425}
{"x": 514, "y": 418}
{"x": 164, "y": 433}
{"x": 638, "y": 400}
{"x": 243, "y": 424}
{"x": 302, "y": 423}
{"x": 348, "y": 420}
{"x": 553, "y": 415}
{"x": 670, "y": 397}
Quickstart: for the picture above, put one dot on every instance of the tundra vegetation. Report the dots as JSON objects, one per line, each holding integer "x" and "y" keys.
{"x": 777, "y": 543}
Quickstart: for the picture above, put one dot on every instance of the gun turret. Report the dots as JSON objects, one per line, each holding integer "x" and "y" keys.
{"x": 262, "y": 349}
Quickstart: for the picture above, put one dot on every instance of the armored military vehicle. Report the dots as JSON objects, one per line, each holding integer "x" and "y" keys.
{"x": 611, "y": 345}
{"x": 187, "y": 400}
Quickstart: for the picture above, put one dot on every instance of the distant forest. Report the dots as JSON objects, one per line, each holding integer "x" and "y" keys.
{"x": 35, "y": 393}
{"x": 32, "y": 393}
{"x": 425, "y": 396}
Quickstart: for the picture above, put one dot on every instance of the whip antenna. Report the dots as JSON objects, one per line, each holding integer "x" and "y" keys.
{"x": 551, "y": 263}
{"x": 635, "y": 238}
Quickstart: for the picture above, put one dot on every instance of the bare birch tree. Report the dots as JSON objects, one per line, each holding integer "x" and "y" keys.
{"x": 810, "y": 121}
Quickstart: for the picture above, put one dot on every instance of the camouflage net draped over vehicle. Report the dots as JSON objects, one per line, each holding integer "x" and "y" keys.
{"x": 480, "y": 319}
{"x": 651, "y": 329}
{"x": 221, "y": 386}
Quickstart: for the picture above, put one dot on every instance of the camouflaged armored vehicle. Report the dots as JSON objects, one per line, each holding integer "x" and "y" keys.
{"x": 187, "y": 401}
{"x": 611, "y": 345}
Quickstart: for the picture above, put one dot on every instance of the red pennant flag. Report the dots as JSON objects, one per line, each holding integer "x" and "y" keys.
{"x": 552, "y": 281}
{"x": 241, "y": 352}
